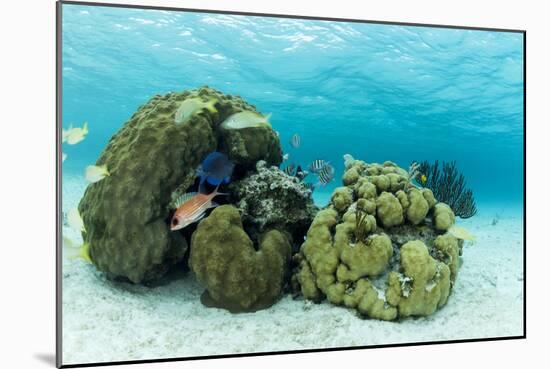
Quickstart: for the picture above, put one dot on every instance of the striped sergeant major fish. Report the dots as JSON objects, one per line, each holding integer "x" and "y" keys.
{"x": 295, "y": 141}
{"x": 317, "y": 165}
{"x": 325, "y": 175}
{"x": 290, "y": 170}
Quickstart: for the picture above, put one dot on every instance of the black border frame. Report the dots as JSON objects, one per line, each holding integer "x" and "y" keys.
{"x": 59, "y": 304}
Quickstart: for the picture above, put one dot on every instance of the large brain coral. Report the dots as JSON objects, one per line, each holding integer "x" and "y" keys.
{"x": 380, "y": 247}
{"x": 235, "y": 275}
{"x": 150, "y": 157}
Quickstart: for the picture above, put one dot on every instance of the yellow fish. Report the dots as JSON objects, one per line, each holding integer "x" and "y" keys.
{"x": 423, "y": 179}
{"x": 246, "y": 119}
{"x": 73, "y": 251}
{"x": 190, "y": 107}
{"x": 75, "y": 220}
{"x": 74, "y": 135}
{"x": 96, "y": 173}
{"x": 461, "y": 233}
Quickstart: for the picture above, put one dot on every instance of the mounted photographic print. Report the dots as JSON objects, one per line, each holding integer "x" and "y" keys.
{"x": 235, "y": 184}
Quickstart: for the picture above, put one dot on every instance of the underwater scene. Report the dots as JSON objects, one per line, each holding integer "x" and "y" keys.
{"x": 242, "y": 184}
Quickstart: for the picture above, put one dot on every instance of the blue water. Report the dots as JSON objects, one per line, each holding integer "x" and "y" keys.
{"x": 378, "y": 92}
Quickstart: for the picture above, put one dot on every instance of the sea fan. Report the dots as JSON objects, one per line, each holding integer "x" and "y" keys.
{"x": 449, "y": 186}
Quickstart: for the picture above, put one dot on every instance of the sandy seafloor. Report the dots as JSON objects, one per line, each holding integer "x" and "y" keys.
{"x": 107, "y": 321}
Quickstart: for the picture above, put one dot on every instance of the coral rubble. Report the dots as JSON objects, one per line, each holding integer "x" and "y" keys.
{"x": 270, "y": 199}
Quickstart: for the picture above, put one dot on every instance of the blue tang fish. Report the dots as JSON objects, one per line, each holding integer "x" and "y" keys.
{"x": 216, "y": 169}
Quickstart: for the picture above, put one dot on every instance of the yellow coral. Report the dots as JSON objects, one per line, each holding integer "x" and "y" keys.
{"x": 418, "y": 208}
{"x": 389, "y": 209}
{"x": 444, "y": 217}
{"x": 424, "y": 285}
{"x": 349, "y": 243}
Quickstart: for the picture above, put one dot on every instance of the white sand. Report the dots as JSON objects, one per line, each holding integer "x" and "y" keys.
{"x": 106, "y": 321}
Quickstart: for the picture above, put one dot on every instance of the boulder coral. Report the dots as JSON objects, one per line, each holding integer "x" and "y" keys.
{"x": 237, "y": 277}
{"x": 380, "y": 246}
{"x": 150, "y": 157}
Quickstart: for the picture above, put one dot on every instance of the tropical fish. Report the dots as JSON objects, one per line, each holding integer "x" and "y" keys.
{"x": 63, "y": 156}
{"x": 285, "y": 157}
{"x": 191, "y": 207}
{"x": 246, "y": 119}
{"x": 74, "y": 135}
{"x": 317, "y": 165}
{"x": 73, "y": 251}
{"x": 300, "y": 173}
{"x": 348, "y": 160}
{"x": 75, "y": 220}
{"x": 215, "y": 169}
{"x": 290, "y": 170}
{"x": 193, "y": 106}
{"x": 325, "y": 175}
{"x": 461, "y": 233}
{"x": 96, "y": 173}
{"x": 423, "y": 179}
{"x": 295, "y": 141}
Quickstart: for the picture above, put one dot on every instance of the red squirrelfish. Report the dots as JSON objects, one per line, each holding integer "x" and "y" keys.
{"x": 191, "y": 207}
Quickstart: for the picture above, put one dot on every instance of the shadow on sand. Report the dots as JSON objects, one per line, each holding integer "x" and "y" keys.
{"x": 46, "y": 358}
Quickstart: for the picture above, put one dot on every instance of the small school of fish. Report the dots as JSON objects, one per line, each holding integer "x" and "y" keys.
{"x": 246, "y": 119}
{"x": 72, "y": 136}
{"x": 71, "y": 249}
{"x": 321, "y": 168}
{"x": 317, "y": 165}
{"x": 190, "y": 107}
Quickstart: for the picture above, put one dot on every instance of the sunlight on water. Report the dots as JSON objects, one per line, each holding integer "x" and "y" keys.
{"x": 378, "y": 92}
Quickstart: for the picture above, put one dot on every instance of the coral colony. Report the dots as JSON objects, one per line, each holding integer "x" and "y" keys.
{"x": 386, "y": 244}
